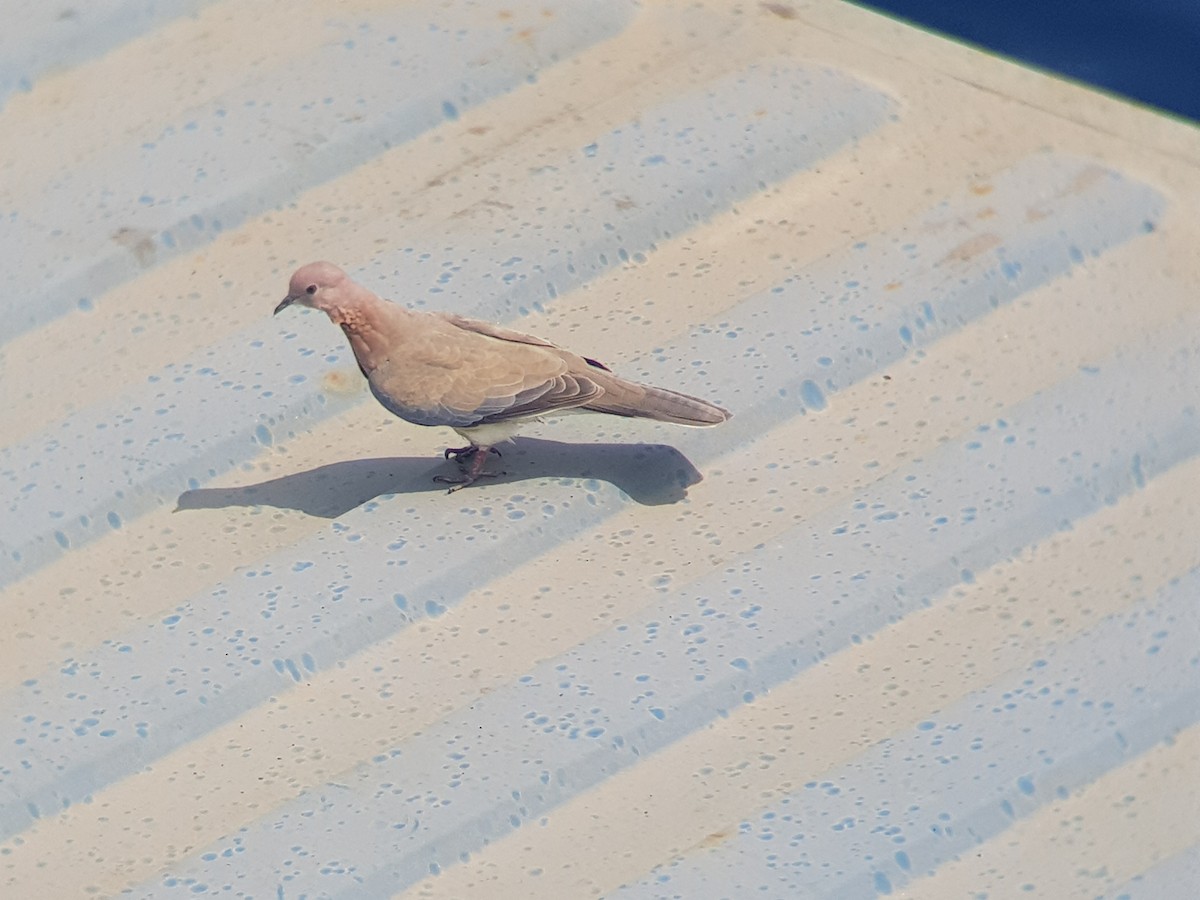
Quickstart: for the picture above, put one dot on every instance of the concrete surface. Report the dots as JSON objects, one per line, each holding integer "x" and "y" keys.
{"x": 920, "y": 621}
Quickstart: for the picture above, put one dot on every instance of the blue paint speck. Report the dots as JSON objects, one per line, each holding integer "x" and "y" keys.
{"x": 813, "y": 396}
{"x": 1135, "y": 468}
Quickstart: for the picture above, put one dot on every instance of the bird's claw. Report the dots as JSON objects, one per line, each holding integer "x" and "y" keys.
{"x": 472, "y": 472}
{"x": 457, "y": 484}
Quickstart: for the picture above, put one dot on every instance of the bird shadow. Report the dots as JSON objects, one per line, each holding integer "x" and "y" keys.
{"x": 651, "y": 474}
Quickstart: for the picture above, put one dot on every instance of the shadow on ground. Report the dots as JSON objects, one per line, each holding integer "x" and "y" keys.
{"x": 651, "y": 474}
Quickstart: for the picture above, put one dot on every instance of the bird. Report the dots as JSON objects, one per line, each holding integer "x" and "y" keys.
{"x": 482, "y": 380}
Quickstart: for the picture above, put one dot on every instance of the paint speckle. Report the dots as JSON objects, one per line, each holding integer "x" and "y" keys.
{"x": 812, "y": 396}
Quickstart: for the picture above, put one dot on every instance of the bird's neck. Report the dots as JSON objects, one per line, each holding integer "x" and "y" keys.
{"x": 359, "y": 316}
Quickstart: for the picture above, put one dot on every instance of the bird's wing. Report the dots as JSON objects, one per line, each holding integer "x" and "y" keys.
{"x": 459, "y": 372}
{"x": 478, "y": 326}
{"x": 490, "y": 329}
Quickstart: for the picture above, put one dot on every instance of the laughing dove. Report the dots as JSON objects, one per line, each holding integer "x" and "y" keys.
{"x": 480, "y": 379}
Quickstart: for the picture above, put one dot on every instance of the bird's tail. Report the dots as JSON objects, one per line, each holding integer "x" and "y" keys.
{"x": 627, "y": 398}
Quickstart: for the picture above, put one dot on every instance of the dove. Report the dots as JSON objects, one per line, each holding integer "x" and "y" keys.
{"x": 482, "y": 380}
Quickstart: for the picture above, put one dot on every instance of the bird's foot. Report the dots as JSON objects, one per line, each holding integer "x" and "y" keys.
{"x": 464, "y": 454}
{"x": 457, "y": 484}
{"x": 472, "y": 462}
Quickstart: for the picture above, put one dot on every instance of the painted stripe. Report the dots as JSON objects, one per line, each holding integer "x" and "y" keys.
{"x": 105, "y": 465}
{"x": 52, "y": 37}
{"x": 920, "y": 799}
{"x": 711, "y": 646}
{"x": 398, "y": 73}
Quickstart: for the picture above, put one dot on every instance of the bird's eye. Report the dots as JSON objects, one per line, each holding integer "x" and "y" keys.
{"x": 311, "y": 289}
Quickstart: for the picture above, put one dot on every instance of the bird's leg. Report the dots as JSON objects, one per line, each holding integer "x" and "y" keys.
{"x": 462, "y": 454}
{"x": 472, "y": 462}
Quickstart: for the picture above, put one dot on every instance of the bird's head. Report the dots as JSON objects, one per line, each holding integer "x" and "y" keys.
{"x": 319, "y": 285}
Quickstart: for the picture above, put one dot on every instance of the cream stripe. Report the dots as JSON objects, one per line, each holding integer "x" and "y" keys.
{"x": 692, "y": 795}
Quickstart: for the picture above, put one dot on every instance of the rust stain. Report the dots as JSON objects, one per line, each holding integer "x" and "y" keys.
{"x": 468, "y": 211}
{"x": 715, "y": 839}
{"x": 340, "y": 381}
{"x": 138, "y": 242}
{"x": 981, "y": 189}
{"x": 893, "y": 285}
{"x": 986, "y": 213}
{"x": 504, "y": 15}
{"x": 1082, "y": 182}
{"x": 479, "y": 129}
{"x": 971, "y": 248}
{"x": 1085, "y": 180}
{"x": 780, "y": 9}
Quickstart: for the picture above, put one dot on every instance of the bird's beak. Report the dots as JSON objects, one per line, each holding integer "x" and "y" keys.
{"x": 284, "y": 304}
